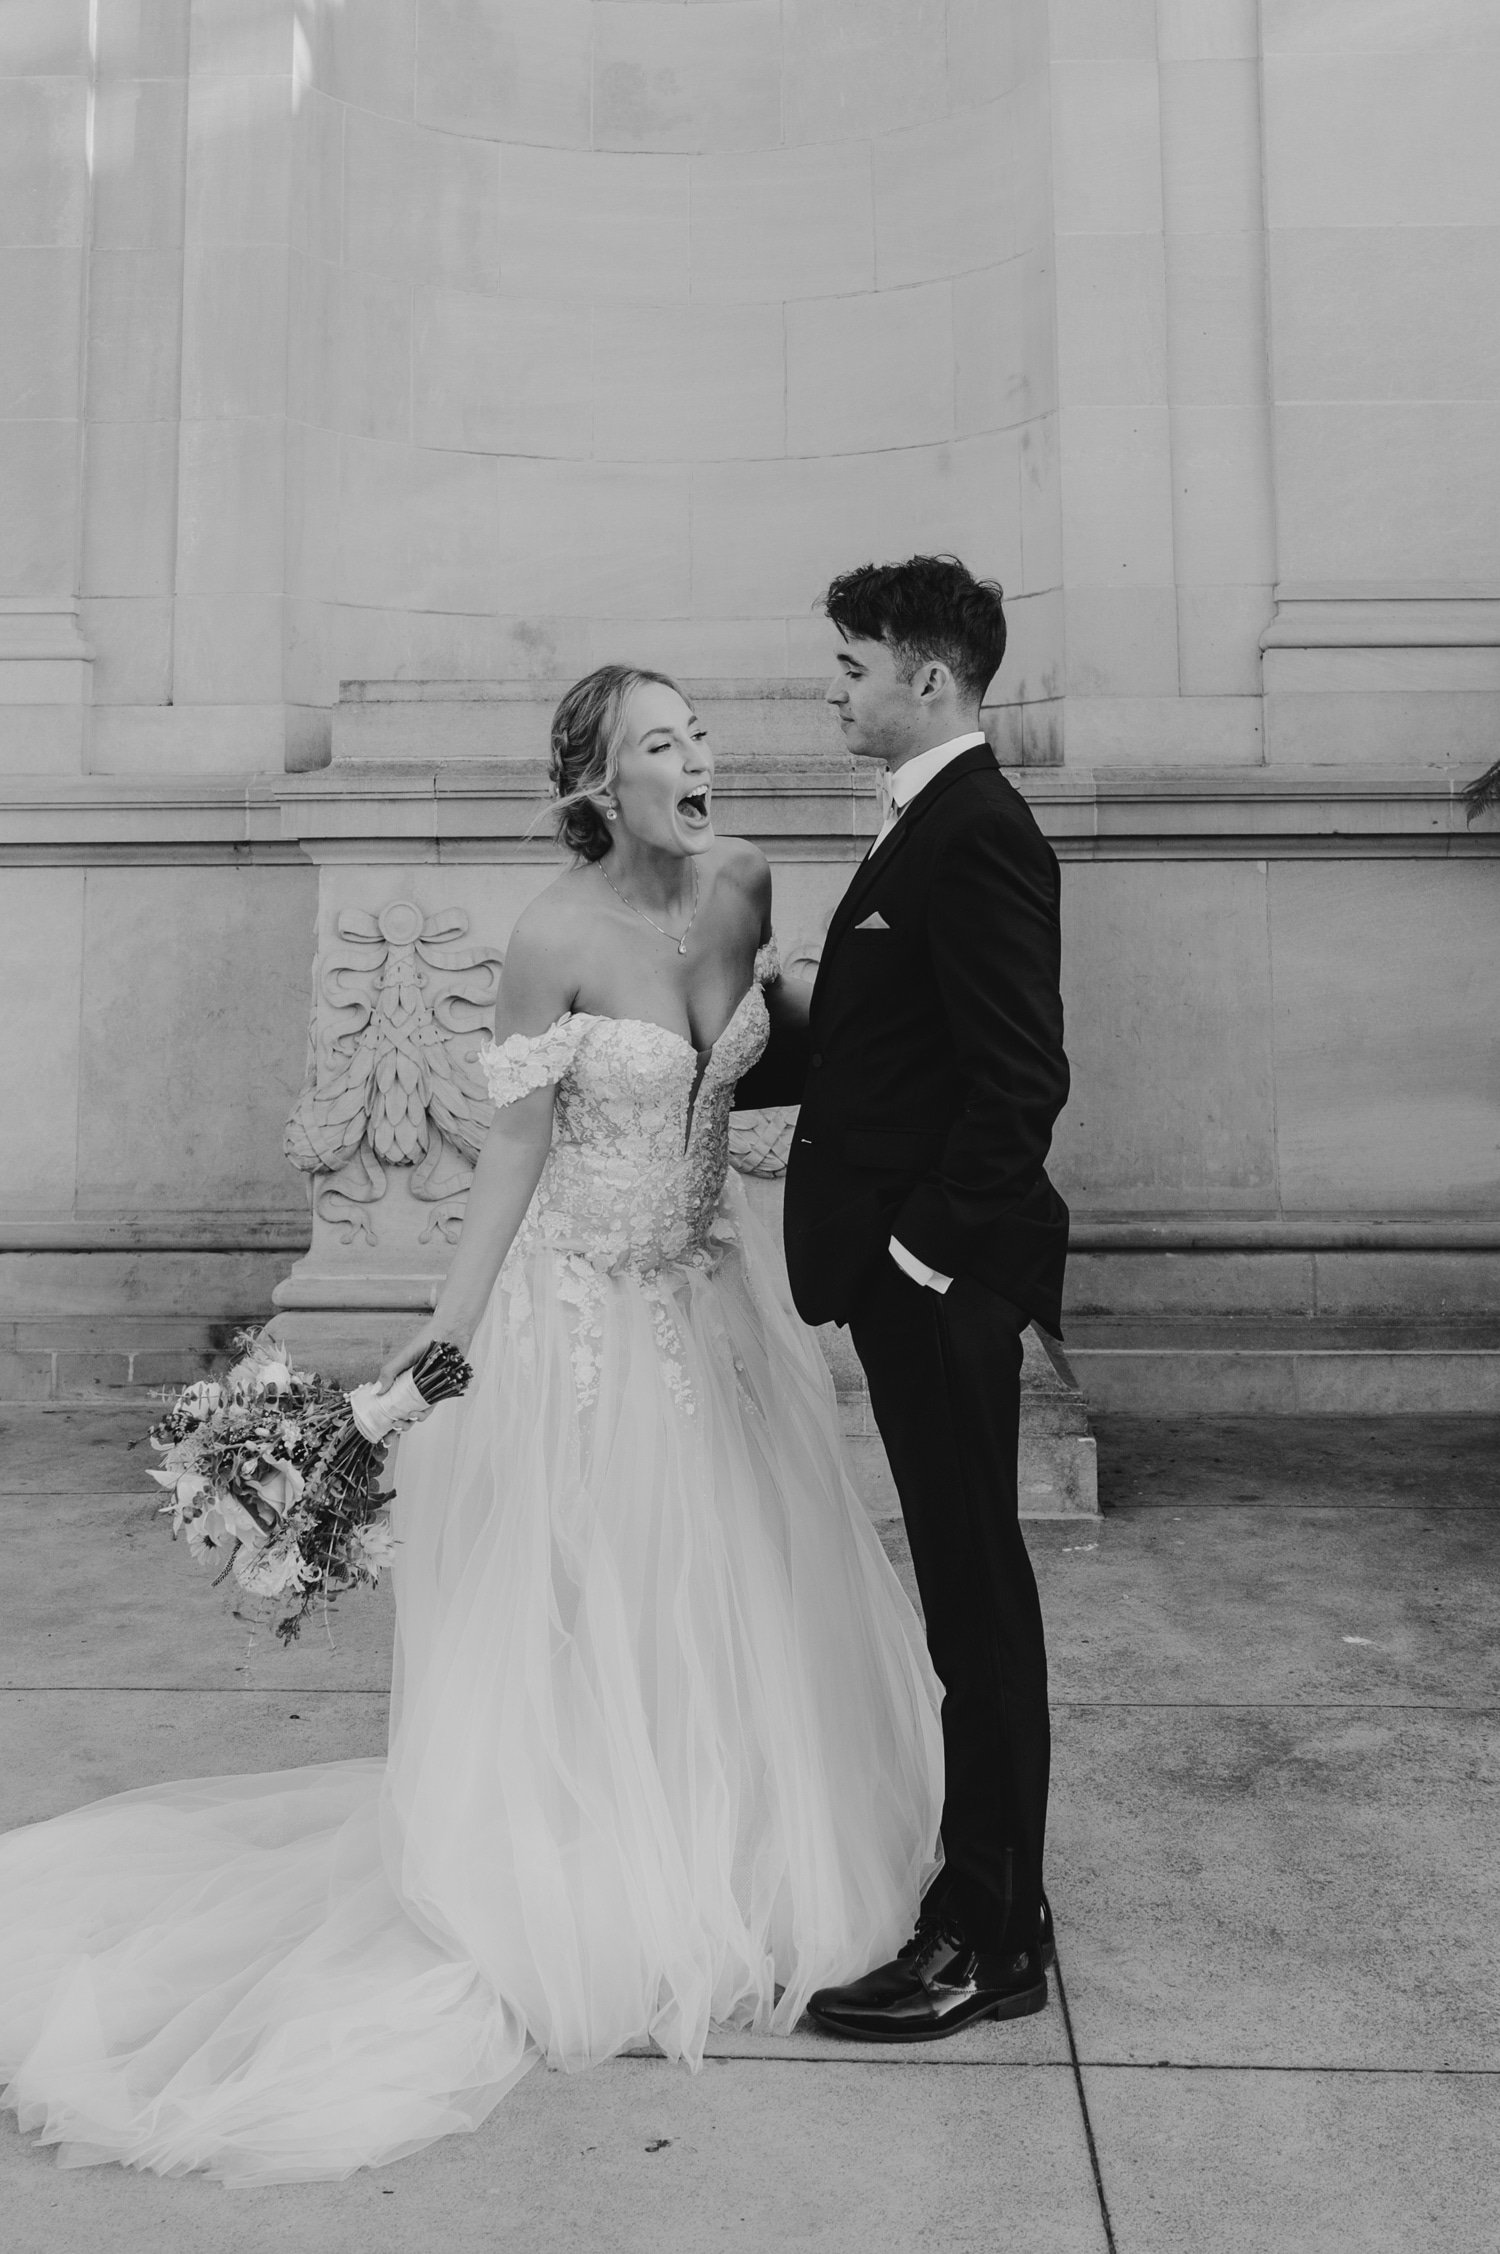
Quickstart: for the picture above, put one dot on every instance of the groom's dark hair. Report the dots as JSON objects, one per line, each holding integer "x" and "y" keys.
{"x": 930, "y": 608}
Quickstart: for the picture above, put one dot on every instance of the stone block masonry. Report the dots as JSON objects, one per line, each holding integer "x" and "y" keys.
{"x": 450, "y": 350}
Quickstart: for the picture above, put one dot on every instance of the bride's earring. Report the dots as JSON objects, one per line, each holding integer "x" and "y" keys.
{"x": 611, "y": 813}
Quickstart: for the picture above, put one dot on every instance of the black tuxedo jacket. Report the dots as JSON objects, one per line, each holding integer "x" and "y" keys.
{"x": 936, "y": 1066}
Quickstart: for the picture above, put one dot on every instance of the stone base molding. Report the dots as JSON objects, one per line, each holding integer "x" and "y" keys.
{"x": 46, "y": 676}
{"x": 1381, "y": 671}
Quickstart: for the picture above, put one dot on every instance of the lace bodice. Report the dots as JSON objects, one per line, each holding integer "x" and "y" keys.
{"x": 640, "y": 1148}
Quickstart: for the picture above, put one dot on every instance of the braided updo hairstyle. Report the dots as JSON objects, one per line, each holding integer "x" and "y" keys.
{"x": 587, "y": 729}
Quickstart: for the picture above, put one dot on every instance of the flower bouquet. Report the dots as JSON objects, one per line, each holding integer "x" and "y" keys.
{"x": 276, "y": 1471}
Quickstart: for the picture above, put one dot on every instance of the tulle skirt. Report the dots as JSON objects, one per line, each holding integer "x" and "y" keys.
{"x": 664, "y": 1754}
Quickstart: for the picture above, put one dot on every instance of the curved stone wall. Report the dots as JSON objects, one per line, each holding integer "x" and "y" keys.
{"x": 641, "y": 320}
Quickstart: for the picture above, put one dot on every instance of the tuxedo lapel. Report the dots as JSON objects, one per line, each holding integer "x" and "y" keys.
{"x": 876, "y": 866}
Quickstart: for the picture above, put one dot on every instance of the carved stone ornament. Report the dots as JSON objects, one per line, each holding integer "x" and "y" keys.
{"x": 398, "y": 1012}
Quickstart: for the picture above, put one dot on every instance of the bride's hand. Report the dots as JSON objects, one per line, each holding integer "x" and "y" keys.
{"x": 415, "y": 1347}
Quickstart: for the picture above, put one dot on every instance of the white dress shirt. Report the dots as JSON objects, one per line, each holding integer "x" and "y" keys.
{"x": 904, "y": 782}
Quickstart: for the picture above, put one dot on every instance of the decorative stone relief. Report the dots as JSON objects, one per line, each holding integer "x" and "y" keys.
{"x": 760, "y": 1141}
{"x": 398, "y": 1011}
{"x": 393, "y": 1111}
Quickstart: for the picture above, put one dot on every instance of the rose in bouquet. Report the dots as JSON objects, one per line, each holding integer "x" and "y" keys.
{"x": 276, "y": 1473}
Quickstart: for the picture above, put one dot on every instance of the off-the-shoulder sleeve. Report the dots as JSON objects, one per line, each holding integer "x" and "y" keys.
{"x": 768, "y": 963}
{"x": 524, "y": 1062}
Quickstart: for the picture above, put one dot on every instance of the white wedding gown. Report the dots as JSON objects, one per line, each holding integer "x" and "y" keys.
{"x": 664, "y": 1748}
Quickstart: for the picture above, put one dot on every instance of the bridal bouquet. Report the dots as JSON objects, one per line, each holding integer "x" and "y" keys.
{"x": 276, "y": 1472}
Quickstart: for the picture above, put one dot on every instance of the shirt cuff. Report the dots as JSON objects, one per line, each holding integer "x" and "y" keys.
{"x": 917, "y": 1269}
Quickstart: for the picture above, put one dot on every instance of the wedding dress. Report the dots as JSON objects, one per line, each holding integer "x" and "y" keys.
{"x": 663, "y": 1750}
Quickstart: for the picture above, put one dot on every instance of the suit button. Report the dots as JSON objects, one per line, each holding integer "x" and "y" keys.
{"x": 817, "y": 1056}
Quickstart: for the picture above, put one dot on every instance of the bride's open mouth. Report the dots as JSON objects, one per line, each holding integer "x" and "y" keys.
{"x": 693, "y": 806}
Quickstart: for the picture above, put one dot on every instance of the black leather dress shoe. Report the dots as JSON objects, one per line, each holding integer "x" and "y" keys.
{"x": 936, "y": 1985}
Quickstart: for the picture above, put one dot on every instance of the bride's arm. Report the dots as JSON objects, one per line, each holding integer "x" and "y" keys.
{"x": 780, "y": 1074}
{"x": 536, "y": 988}
{"x": 788, "y": 1002}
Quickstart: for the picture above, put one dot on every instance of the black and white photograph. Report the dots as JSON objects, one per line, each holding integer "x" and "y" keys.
{"x": 750, "y": 1182}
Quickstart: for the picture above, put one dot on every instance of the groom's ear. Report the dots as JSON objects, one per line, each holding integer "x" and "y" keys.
{"x": 931, "y": 678}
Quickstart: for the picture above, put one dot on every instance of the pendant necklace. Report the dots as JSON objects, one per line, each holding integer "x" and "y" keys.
{"x": 679, "y": 944}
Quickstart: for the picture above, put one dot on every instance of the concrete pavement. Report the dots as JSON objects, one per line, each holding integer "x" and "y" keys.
{"x": 1274, "y": 1867}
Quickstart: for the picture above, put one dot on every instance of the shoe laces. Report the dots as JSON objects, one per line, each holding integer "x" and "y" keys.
{"x": 931, "y": 1926}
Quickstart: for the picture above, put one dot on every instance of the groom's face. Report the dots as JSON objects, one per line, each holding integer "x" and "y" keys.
{"x": 879, "y": 713}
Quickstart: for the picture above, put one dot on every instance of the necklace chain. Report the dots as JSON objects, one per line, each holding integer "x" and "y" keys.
{"x": 679, "y": 943}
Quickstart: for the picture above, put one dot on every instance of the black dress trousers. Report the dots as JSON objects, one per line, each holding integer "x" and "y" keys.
{"x": 944, "y": 1371}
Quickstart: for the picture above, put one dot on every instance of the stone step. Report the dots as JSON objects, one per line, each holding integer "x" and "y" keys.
{"x": 113, "y": 1357}
{"x": 1384, "y": 1332}
{"x": 1388, "y": 1367}
{"x": 1057, "y": 1465}
{"x": 126, "y": 1359}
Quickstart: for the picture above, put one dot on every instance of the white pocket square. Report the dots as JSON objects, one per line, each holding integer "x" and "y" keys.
{"x": 876, "y": 922}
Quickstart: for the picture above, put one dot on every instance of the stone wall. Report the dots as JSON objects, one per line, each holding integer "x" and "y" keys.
{"x": 486, "y": 338}
{"x": 480, "y": 339}
{"x": 1159, "y": 477}
{"x": 371, "y": 366}
{"x": 1383, "y": 237}
{"x": 656, "y": 315}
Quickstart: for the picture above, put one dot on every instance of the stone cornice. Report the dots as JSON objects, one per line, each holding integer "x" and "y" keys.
{"x": 1385, "y": 616}
{"x": 798, "y": 809}
{"x": 717, "y": 689}
{"x": 1258, "y": 813}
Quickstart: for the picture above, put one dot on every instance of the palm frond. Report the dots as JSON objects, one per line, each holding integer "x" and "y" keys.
{"x": 1483, "y": 791}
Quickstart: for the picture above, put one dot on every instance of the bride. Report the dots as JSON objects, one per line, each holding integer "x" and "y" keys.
{"x": 646, "y": 1637}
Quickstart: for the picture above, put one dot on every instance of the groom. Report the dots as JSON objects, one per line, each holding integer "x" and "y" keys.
{"x": 918, "y": 1211}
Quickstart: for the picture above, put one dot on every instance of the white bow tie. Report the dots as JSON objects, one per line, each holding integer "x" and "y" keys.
{"x": 885, "y": 784}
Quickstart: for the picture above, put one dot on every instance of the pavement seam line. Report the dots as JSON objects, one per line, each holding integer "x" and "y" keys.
{"x": 1059, "y": 1706}
{"x": 1264, "y": 2066}
{"x": 1266, "y": 1706}
{"x": 1083, "y": 2107}
{"x": 896, "y": 2055}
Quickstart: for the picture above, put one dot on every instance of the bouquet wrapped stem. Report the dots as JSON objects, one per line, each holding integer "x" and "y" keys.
{"x": 277, "y": 1471}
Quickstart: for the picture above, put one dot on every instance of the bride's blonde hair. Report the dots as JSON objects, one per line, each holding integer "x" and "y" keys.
{"x": 588, "y": 728}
